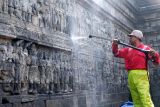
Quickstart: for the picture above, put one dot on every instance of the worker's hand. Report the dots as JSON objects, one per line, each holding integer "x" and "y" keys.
{"x": 115, "y": 41}
{"x": 152, "y": 53}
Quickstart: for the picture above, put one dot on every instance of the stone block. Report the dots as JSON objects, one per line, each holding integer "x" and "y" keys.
{"x": 82, "y": 101}
{"x": 68, "y": 102}
{"x": 39, "y": 103}
{"x": 1, "y": 105}
{"x": 1, "y": 90}
{"x": 8, "y": 66}
{"x": 6, "y": 105}
{"x": 0, "y": 100}
{"x": 29, "y": 104}
{"x": 28, "y": 98}
{"x": 17, "y": 105}
{"x": 53, "y": 103}
{"x": 43, "y": 97}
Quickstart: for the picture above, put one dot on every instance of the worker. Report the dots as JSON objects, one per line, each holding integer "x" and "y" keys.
{"x": 135, "y": 63}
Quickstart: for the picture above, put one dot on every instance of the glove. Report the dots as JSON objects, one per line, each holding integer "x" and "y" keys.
{"x": 152, "y": 53}
{"x": 115, "y": 41}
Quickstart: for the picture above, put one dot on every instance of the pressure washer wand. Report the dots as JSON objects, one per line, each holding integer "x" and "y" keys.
{"x": 92, "y": 36}
{"x": 141, "y": 50}
{"x": 119, "y": 42}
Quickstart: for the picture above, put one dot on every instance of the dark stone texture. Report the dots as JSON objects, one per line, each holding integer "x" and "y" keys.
{"x": 6, "y": 105}
{"x": 53, "y": 103}
{"x": 17, "y": 105}
{"x": 82, "y": 101}
{"x": 67, "y": 102}
{"x": 47, "y": 59}
{"x": 39, "y": 103}
{"x": 29, "y": 104}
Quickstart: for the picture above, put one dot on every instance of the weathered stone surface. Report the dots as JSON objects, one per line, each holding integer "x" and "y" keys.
{"x": 53, "y": 103}
{"x": 6, "y": 105}
{"x": 29, "y": 104}
{"x": 82, "y": 101}
{"x": 39, "y": 103}
{"x": 17, "y": 105}
{"x": 47, "y": 58}
{"x": 67, "y": 103}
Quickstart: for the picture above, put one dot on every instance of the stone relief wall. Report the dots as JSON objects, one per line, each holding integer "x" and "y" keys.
{"x": 42, "y": 13}
{"x": 28, "y": 68}
{"x": 42, "y": 65}
{"x": 39, "y": 20}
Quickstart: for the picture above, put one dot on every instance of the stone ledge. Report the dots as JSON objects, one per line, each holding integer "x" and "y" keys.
{"x": 47, "y": 44}
{"x": 55, "y": 39}
{"x": 7, "y": 36}
{"x": 18, "y": 98}
{"x": 31, "y": 98}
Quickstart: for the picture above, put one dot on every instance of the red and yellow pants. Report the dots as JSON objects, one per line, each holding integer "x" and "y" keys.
{"x": 139, "y": 88}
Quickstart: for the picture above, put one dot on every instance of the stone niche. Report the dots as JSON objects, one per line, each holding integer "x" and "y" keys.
{"x": 28, "y": 68}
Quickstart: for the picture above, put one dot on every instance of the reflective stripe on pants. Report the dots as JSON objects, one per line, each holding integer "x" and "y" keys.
{"x": 139, "y": 88}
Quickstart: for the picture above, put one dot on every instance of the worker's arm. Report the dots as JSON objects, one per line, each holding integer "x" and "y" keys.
{"x": 118, "y": 52}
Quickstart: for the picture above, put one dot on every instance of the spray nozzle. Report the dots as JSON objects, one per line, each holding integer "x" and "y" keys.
{"x": 90, "y": 36}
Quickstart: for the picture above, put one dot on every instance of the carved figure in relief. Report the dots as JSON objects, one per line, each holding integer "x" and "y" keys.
{"x": 34, "y": 80}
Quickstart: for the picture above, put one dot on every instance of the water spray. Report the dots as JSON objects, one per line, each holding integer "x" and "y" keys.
{"x": 77, "y": 38}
